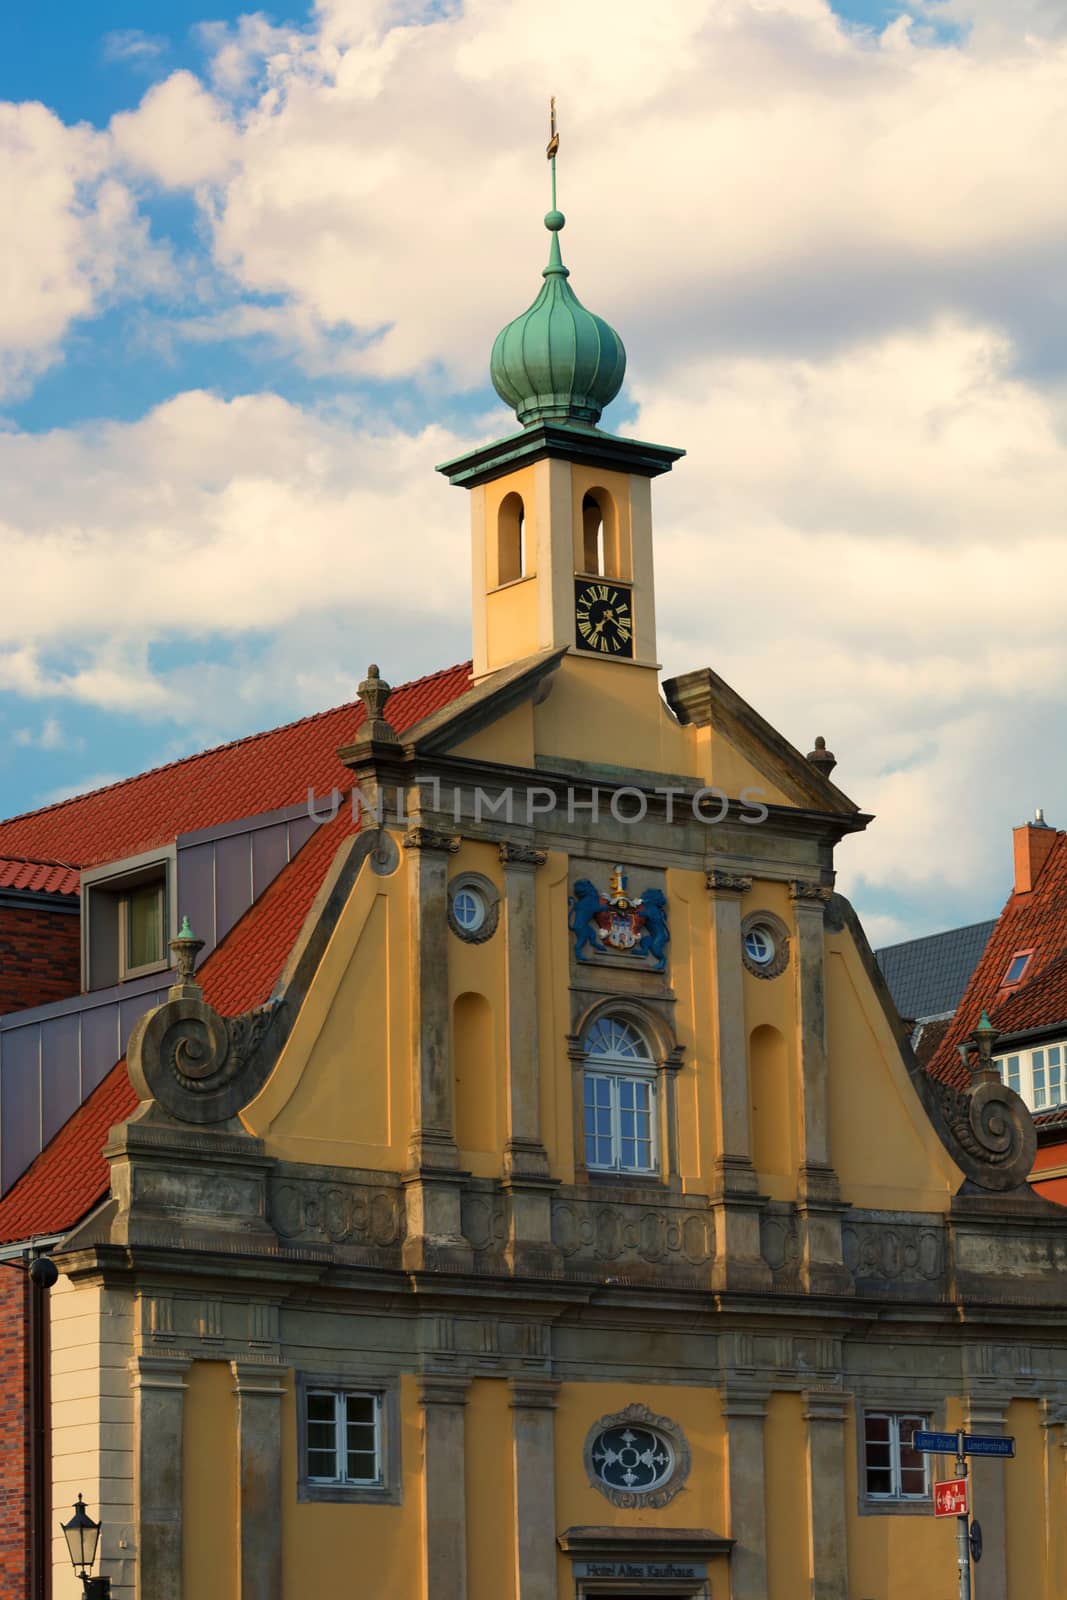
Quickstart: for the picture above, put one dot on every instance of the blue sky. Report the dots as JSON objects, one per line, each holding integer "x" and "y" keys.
{"x": 258, "y": 260}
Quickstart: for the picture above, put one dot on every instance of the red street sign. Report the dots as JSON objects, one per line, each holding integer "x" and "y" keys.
{"x": 950, "y": 1498}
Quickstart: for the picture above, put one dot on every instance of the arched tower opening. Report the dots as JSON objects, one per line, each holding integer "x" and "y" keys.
{"x": 511, "y": 539}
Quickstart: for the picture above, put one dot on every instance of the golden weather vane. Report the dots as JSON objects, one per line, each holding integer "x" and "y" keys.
{"x": 553, "y": 145}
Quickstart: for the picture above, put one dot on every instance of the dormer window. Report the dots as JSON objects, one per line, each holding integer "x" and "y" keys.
{"x": 1016, "y": 967}
{"x": 126, "y": 919}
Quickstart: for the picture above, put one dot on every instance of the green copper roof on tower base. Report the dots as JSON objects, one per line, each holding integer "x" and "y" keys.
{"x": 558, "y": 362}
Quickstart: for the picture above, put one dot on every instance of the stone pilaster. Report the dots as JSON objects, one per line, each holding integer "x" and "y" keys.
{"x": 524, "y": 1152}
{"x": 825, "y": 1417}
{"x": 744, "y": 1413}
{"x": 989, "y": 1577}
{"x": 818, "y": 1192}
{"x": 533, "y": 1403}
{"x": 259, "y": 1391}
{"x": 159, "y": 1401}
{"x": 526, "y": 1180}
{"x": 445, "y": 1504}
{"x": 735, "y": 1202}
{"x": 432, "y": 1187}
{"x": 1054, "y": 1425}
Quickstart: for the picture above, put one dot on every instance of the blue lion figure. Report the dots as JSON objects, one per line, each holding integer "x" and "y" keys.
{"x": 655, "y": 936}
{"x": 584, "y": 904}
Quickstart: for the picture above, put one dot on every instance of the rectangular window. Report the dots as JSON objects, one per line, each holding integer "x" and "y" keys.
{"x": 1016, "y": 967}
{"x": 893, "y": 1470}
{"x": 343, "y": 1438}
{"x": 1037, "y": 1076}
{"x": 1009, "y": 1072}
{"x": 620, "y": 1122}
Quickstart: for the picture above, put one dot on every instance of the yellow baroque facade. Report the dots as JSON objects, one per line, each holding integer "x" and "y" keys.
{"x": 575, "y": 1221}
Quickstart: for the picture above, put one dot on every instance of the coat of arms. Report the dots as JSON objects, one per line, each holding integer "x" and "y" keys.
{"x": 618, "y": 923}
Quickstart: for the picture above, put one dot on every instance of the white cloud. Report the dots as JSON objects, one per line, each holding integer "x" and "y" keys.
{"x": 133, "y": 45}
{"x": 73, "y": 241}
{"x": 804, "y": 181}
{"x": 50, "y": 736}
{"x": 179, "y": 134}
{"x": 226, "y": 518}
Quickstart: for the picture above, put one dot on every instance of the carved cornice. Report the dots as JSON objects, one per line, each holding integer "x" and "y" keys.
{"x": 513, "y": 853}
{"x": 727, "y": 882}
{"x": 431, "y": 839}
{"x": 803, "y": 892}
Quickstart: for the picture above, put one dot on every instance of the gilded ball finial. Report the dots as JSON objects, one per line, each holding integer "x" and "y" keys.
{"x": 554, "y": 220}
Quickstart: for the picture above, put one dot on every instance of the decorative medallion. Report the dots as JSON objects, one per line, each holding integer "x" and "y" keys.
{"x": 619, "y": 923}
{"x": 637, "y": 1459}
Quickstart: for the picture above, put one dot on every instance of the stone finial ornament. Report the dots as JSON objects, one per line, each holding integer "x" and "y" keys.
{"x": 976, "y": 1052}
{"x": 822, "y": 758}
{"x": 185, "y": 949}
{"x": 374, "y": 692}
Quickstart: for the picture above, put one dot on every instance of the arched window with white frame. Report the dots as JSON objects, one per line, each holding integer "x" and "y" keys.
{"x": 620, "y": 1113}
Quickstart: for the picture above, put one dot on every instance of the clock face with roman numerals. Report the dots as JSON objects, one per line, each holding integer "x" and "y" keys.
{"x": 603, "y": 620}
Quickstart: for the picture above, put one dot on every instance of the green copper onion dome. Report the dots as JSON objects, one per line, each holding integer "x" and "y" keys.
{"x": 558, "y": 362}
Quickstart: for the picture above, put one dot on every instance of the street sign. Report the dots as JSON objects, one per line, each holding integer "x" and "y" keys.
{"x": 950, "y": 1498}
{"x": 974, "y": 1444}
{"x": 935, "y": 1444}
{"x": 988, "y": 1444}
{"x": 976, "y": 1541}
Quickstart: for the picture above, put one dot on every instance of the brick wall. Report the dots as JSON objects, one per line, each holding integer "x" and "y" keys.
{"x": 14, "y": 1416}
{"x": 40, "y": 956}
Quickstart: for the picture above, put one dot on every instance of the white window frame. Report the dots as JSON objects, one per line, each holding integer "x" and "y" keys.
{"x": 341, "y": 1398}
{"x": 385, "y": 1487}
{"x": 615, "y": 1078}
{"x": 1017, "y": 1069}
{"x": 896, "y": 1495}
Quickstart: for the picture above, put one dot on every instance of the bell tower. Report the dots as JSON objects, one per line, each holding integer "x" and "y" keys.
{"x": 561, "y": 512}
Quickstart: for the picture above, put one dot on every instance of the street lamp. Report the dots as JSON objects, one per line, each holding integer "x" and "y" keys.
{"x": 83, "y": 1535}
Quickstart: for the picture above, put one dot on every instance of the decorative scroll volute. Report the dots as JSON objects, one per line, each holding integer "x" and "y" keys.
{"x": 198, "y": 1066}
{"x": 991, "y": 1133}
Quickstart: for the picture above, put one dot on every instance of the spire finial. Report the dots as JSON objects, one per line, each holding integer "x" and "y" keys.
{"x": 554, "y": 219}
{"x": 557, "y": 362}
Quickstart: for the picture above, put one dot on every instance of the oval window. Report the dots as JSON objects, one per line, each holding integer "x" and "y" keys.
{"x": 469, "y": 909}
{"x": 759, "y": 945}
{"x": 632, "y": 1458}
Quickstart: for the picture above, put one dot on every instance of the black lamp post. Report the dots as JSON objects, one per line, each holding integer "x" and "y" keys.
{"x": 83, "y": 1535}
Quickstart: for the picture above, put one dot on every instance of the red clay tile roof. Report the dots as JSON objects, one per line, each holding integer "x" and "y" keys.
{"x": 1035, "y": 921}
{"x": 43, "y": 877}
{"x": 70, "y": 1176}
{"x": 260, "y": 773}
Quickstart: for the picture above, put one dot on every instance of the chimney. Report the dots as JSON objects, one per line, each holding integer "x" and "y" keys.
{"x": 1032, "y": 842}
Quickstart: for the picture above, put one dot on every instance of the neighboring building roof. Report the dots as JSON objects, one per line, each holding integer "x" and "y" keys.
{"x": 263, "y": 772}
{"x": 39, "y": 877}
{"x": 70, "y": 1176}
{"x": 927, "y": 977}
{"x": 1035, "y": 921}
